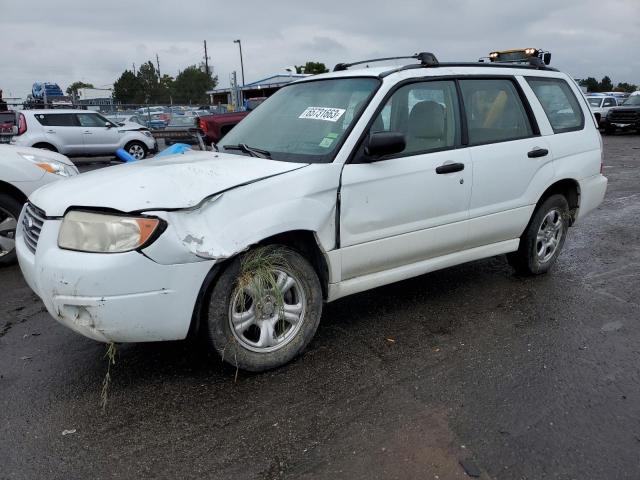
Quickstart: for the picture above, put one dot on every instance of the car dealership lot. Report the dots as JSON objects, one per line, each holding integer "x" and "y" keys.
{"x": 526, "y": 377}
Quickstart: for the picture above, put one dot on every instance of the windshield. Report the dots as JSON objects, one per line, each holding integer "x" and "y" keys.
{"x": 304, "y": 122}
{"x": 632, "y": 100}
{"x": 594, "y": 101}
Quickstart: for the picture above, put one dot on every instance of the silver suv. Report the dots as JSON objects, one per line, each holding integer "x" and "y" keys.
{"x": 81, "y": 133}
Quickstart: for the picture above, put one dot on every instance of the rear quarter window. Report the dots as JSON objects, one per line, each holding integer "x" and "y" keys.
{"x": 559, "y": 103}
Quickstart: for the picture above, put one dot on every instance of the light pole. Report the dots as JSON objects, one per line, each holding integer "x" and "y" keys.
{"x": 241, "y": 64}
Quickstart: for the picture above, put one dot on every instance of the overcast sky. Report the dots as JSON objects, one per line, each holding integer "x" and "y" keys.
{"x": 62, "y": 41}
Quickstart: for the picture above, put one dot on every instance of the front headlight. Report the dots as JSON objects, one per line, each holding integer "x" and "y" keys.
{"x": 105, "y": 233}
{"x": 147, "y": 133}
{"x": 50, "y": 166}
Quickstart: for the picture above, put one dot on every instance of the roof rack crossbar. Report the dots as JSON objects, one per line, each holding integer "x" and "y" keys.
{"x": 525, "y": 66}
{"x": 427, "y": 59}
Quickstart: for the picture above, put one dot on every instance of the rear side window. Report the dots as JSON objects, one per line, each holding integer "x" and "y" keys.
{"x": 494, "y": 110}
{"x": 56, "y": 119}
{"x": 559, "y": 103}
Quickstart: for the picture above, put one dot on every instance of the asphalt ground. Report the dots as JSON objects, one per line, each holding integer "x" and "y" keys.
{"x": 523, "y": 378}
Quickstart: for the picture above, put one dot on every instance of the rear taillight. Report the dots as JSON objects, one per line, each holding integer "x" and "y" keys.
{"x": 22, "y": 124}
{"x": 203, "y": 125}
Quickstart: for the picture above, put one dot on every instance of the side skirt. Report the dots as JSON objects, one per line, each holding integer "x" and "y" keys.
{"x": 373, "y": 280}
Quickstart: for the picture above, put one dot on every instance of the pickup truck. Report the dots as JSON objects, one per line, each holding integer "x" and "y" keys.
{"x": 214, "y": 127}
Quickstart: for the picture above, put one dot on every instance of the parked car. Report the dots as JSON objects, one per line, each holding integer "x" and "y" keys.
{"x": 22, "y": 171}
{"x": 181, "y": 129}
{"x": 7, "y": 125}
{"x": 126, "y": 119}
{"x": 338, "y": 183}
{"x": 601, "y": 104}
{"x": 625, "y": 117}
{"x": 80, "y": 133}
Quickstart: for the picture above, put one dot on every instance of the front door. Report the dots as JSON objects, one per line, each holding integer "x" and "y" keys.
{"x": 99, "y": 139}
{"x": 410, "y": 206}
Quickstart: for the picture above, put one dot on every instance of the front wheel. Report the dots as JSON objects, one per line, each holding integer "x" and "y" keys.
{"x": 9, "y": 213}
{"x": 264, "y": 308}
{"x": 137, "y": 150}
{"x": 544, "y": 237}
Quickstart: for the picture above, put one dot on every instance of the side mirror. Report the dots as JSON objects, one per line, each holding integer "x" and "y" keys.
{"x": 108, "y": 125}
{"x": 384, "y": 143}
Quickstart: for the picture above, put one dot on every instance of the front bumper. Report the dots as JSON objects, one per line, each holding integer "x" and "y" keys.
{"x": 123, "y": 297}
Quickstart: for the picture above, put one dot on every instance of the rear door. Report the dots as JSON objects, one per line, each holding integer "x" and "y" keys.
{"x": 99, "y": 139}
{"x": 508, "y": 155}
{"x": 63, "y": 131}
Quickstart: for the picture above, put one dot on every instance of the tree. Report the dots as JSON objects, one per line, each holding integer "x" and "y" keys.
{"x": 75, "y": 86}
{"x": 605, "y": 84}
{"x": 191, "y": 85}
{"x": 128, "y": 89}
{"x": 626, "y": 87}
{"x": 591, "y": 83}
{"x": 312, "y": 68}
{"x": 149, "y": 81}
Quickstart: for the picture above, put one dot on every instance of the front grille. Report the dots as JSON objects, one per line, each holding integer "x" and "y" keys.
{"x": 619, "y": 116}
{"x": 32, "y": 222}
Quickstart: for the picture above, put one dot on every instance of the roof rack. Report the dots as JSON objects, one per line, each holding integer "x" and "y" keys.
{"x": 427, "y": 59}
{"x": 533, "y": 64}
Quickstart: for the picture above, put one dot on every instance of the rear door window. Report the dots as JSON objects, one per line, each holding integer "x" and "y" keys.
{"x": 494, "y": 110}
{"x": 559, "y": 103}
{"x": 57, "y": 119}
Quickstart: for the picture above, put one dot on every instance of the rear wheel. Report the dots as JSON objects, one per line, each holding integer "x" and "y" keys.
{"x": 9, "y": 213}
{"x": 137, "y": 150}
{"x": 544, "y": 237}
{"x": 262, "y": 314}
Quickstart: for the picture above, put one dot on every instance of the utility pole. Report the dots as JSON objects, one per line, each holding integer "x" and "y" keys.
{"x": 158, "y": 64}
{"x": 206, "y": 59}
{"x": 241, "y": 64}
{"x": 134, "y": 68}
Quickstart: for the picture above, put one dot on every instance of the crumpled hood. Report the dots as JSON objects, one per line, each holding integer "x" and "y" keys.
{"x": 174, "y": 182}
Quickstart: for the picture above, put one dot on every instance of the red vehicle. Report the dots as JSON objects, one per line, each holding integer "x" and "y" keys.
{"x": 216, "y": 126}
{"x": 7, "y": 124}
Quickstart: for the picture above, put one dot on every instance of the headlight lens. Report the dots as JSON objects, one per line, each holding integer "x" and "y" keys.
{"x": 50, "y": 166}
{"x": 104, "y": 233}
{"x": 147, "y": 133}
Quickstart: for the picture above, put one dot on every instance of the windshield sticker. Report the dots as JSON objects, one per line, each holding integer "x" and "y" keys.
{"x": 323, "y": 113}
{"x": 326, "y": 142}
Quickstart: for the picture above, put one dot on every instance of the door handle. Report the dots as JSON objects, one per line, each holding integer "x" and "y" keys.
{"x": 87, "y": 132}
{"x": 538, "y": 152}
{"x": 51, "y": 131}
{"x": 450, "y": 168}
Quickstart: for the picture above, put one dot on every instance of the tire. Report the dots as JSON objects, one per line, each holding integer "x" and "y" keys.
{"x": 258, "y": 344}
{"x": 544, "y": 237}
{"x": 9, "y": 212}
{"x": 137, "y": 149}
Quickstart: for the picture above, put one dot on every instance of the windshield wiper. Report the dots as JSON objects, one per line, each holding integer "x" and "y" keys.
{"x": 254, "y": 152}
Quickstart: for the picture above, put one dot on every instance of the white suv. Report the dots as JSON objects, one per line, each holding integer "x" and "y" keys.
{"x": 601, "y": 104}
{"x": 22, "y": 171}
{"x": 81, "y": 133}
{"x": 338, "y": 183}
